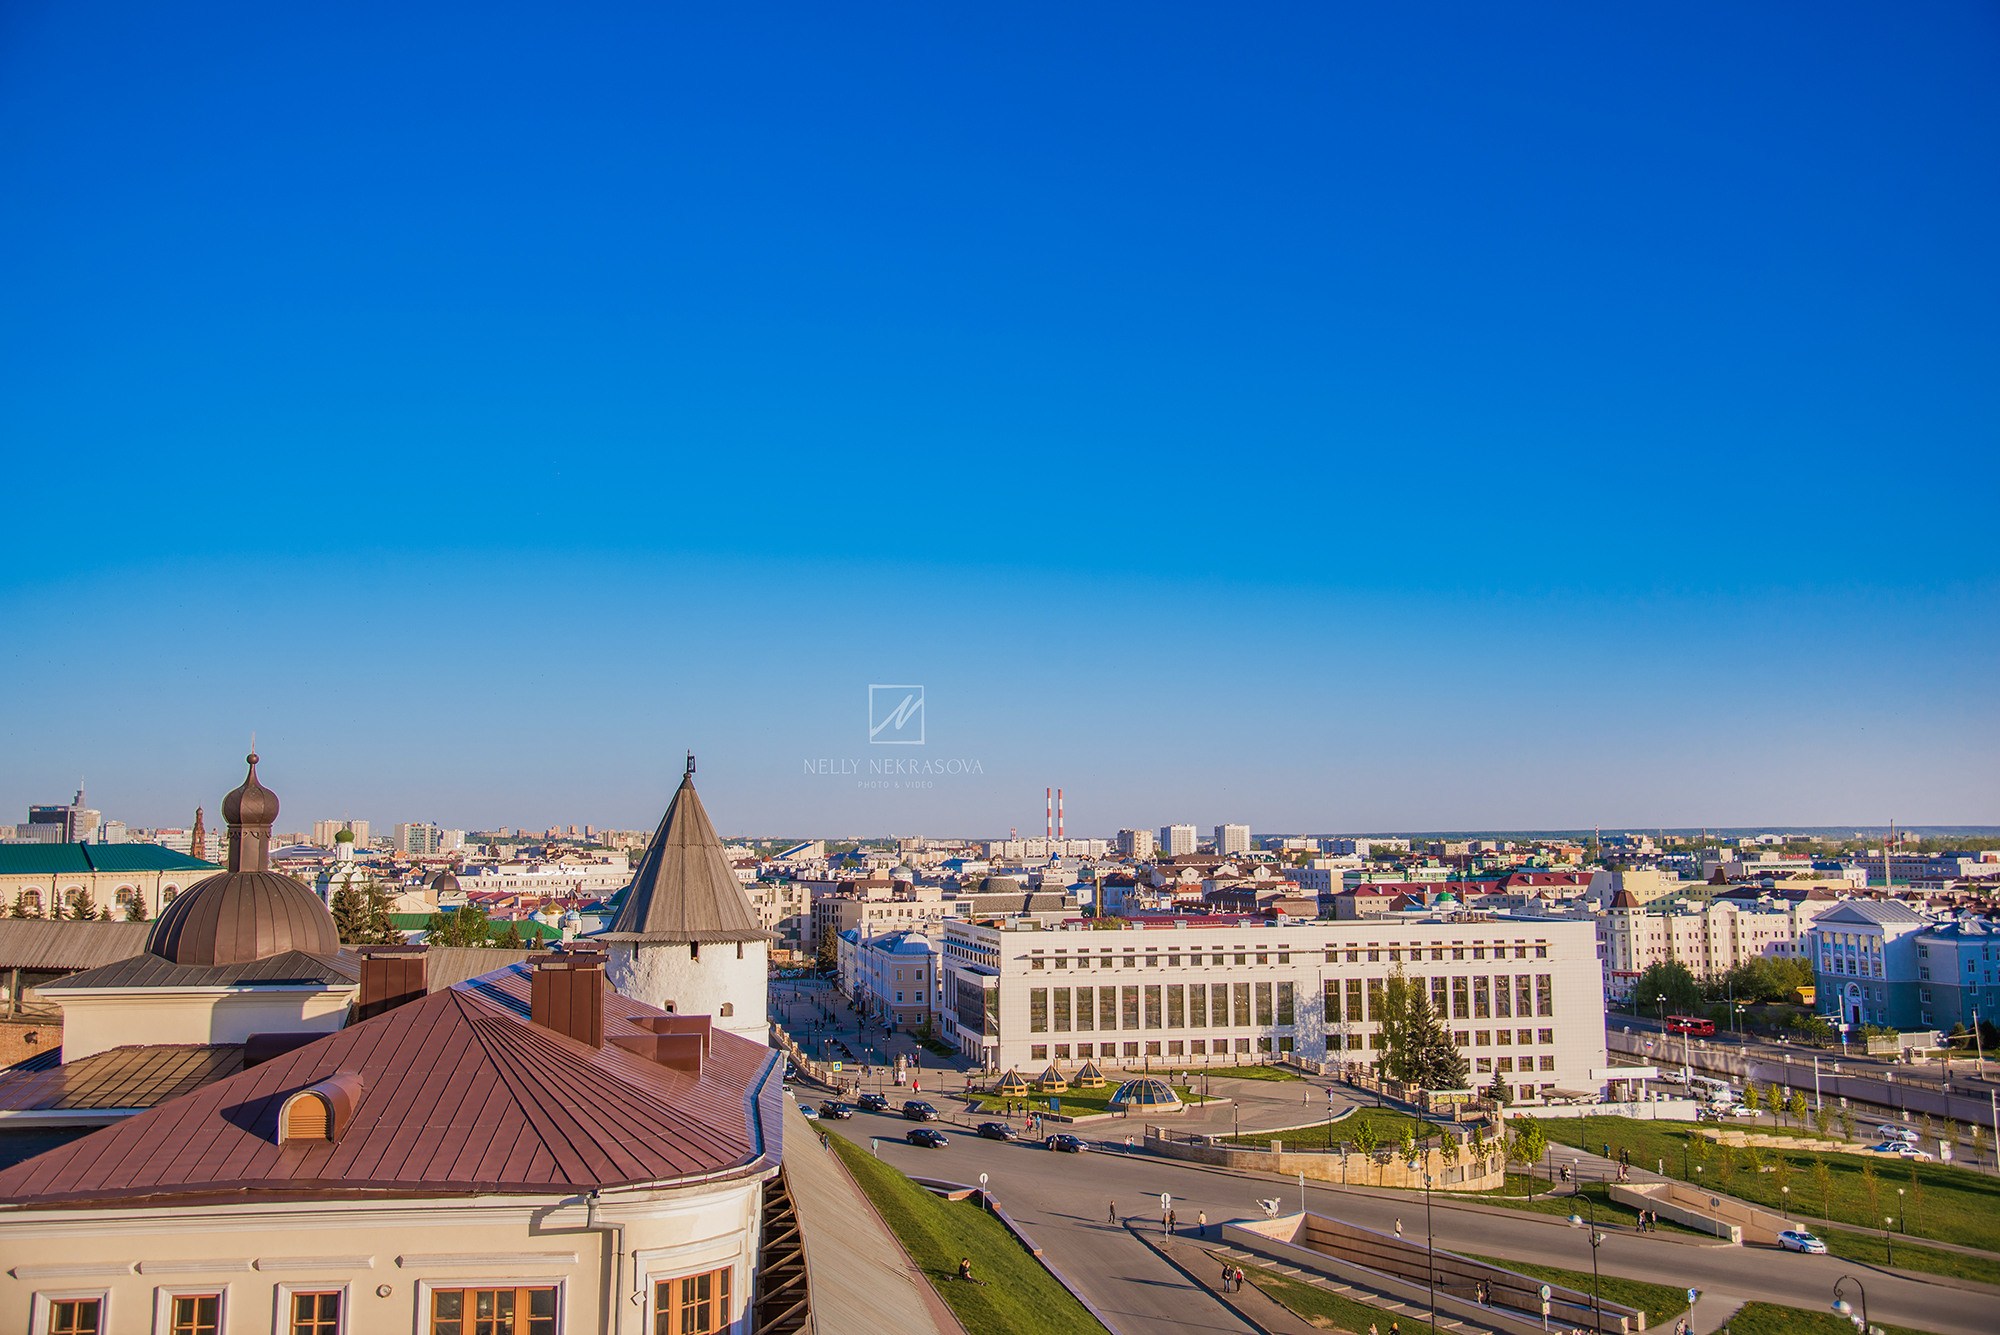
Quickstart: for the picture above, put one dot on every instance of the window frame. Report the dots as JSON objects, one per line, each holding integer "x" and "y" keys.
{"x": 283, "y": 1320}
{"x": 655, "y": 1283}
{"x": 42, "y": 1314}
{"x": 428, "y": 1287}
{"x": 163, "y": 1304}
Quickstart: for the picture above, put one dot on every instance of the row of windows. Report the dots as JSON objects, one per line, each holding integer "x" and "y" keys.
{"x": 1065, "y": 1010}
{"x": 689, "y": 1305}
{"x": 1464, "y": 1038}
{"x": 1171, "y": 1047}
{"x": 1245, "y": 955}
{"x": 1478, "y": 997}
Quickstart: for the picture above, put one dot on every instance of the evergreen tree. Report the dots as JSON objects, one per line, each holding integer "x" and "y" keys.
{"x": 361, "y": 916}
{"x": 1416, "y": 1047}
{"x": 80, "y": 907}
{"x": 466, "y": 926}
{"x": 1498, "y": 1091}
{"x": 510, "y": 938}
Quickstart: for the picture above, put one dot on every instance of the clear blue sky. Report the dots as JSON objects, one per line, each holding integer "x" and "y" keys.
{"x": 1429, "y": 417}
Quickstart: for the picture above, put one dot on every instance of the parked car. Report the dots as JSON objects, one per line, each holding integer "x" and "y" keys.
{"x": 1891, "y": 1131}
{"x": 872, "y": 1103}
{"x": 1798, "y": 1240}
{"x": 807, "y": 1111}
{"x": 1066, "y": 1144}
{"x": 929, "y": 1137}
{"x": 996, "y": 1131}
{"x": 837, "y": 1110}
{"x": 919, "y": 1111}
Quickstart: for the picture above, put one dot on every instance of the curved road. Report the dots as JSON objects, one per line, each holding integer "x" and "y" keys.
{"x": 1062, "y": 1200}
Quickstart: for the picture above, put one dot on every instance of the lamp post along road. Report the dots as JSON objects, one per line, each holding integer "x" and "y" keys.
{"x": 1596, "y": 1241}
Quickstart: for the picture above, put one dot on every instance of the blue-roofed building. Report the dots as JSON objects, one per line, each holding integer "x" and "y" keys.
{"x": 124, "y": 881}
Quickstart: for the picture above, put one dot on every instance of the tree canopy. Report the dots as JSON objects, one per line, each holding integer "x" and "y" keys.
{"x": 1416, "y": 1047}
{"x": 361, "y": 916}
{"x": 1668, "y": 981}
{"x": 466, "y": 926}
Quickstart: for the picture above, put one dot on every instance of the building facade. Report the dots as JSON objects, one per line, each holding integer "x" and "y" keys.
{"x": 1523, "y": 997}
{"x": 1177, "y": 839}
{"x": 1865, "y": 963}
{"x": 1136, "y": 845}
{"x": 1231, "y": 839}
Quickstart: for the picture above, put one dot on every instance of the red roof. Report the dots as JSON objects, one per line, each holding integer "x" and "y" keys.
{"x": 462, "y": 1094}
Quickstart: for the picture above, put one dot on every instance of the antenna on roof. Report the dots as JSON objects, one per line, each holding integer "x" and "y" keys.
{"x": 690, "y": 768}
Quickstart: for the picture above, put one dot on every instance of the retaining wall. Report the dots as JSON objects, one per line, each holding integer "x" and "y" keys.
{"x": 1385, "y": 1168}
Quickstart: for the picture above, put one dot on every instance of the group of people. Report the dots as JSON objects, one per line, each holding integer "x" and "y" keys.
{"x": 1232, "y": 1277}
{"x": 1649, "y": 1221}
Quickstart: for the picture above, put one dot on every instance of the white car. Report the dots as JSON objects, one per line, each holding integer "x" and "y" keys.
{"x": 1798, "y": 1240}
{"x": 1902, "y": 1149}
{"x": 1894, "y": 1132}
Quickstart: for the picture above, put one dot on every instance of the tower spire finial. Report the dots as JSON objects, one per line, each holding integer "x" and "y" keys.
{"x": 690, "y": 767}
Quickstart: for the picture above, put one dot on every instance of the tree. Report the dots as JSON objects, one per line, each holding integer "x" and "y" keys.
{"x": 1498, "y": 1091}
{"x": 1823, "y": 1119}
{"x": 1527, "y": 1139}
{"x": 80, "y": 907}
{"x": 1823, "y": 1179}
{"x": 1416, "y": 1047}
{"x": 1846, "y": 1124}
{"x": 1873, "y": 1187}
{"x": 826, "y": 954}
{"x": 1667, "y": 981}
{"x": 510, "y": 937}
{"x": 1753, "y": 1098}
{"x": 134, "y": 911}
{"x": 20, "y": 906}
{"x": 361, "y": 916}
{"x": 465, "y": 926}
{"x": 1366, "y": 1138}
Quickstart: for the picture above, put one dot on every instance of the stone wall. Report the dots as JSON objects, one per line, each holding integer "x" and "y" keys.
{"x": 22, "y": 1039}
{"x": 1385, "y": 1168}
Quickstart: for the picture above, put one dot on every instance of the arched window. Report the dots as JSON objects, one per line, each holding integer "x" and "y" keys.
{"x": 31, "y": 903}
{"x": 126, "y": 896}
{"x": 167, "y": 896}
{"x": 728, "y": 1009}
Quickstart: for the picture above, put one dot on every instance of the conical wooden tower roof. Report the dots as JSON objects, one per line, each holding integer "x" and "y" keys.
{"x": 683, "y": 890}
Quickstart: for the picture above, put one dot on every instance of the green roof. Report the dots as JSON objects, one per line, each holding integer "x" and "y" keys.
{"x": 81, "y": 859}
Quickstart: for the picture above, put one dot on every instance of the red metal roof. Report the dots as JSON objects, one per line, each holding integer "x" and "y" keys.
{"x": 462, "y": 1094}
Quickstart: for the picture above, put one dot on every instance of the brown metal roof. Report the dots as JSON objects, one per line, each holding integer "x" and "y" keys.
{"x": 36, "y": 943}
{"x": 447, "y": 966}
{"x": 238, "y": 916}
{"x": 462, "y": 1094}
{"x": 683, "y": 889}
{"x": 294, "y": 966}
{"x": 135, "y": 1077}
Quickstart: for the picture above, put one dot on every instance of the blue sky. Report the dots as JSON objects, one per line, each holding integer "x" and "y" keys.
{"x": 1433, "y": 418}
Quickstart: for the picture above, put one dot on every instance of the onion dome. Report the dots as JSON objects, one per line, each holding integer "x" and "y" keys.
{"x": 251, "y": 803}
{"x": 248, "y": 912}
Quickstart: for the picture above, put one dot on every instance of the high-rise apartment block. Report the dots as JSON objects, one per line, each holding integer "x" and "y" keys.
{"x": 423, "y": 839}
{"x": 1177, "y": 839}
{"x": 326, "y": 831}
{"x": 1232, "y": 839}
{"x": 1138, "y": 845}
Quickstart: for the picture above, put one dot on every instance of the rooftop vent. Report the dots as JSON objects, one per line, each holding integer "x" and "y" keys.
{"x": 320, "y": 1112}
{"x": 390, "y": 977}
{"x": 566, "y": 994}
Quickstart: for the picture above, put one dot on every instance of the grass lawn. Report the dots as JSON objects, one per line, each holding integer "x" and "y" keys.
{"x": 1608, "y": 1210}
{"x": 1868, "y": 1247}
{"x": 1076, "y": 1103}
{"x": 1320, "y": 1306}
{"x": 1945, "y": 1203}
{"x": 1657, "y": 1301}
{"x": 1278, "y": 1073}
{"x": 1389, "y": 1126}
{"x": 1771, "y": 1319}
{"x": 1016, "y": 1295}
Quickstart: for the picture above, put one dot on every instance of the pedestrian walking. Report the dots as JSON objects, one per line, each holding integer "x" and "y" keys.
{"x": 1239, "y": 1277}
{"x": 1201, "y": 1223}
{"x": 1399, "y": 1235}
{"x": 1170, "y": 1223}
{"x": 1114, "y": 1212}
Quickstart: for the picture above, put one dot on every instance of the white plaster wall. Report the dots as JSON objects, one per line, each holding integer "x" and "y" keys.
{"x": 698, "y": 984}
{"x": 93, "y": 1024}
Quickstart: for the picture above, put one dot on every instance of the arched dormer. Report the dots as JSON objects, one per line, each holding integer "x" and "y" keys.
{"x": 320, "y": 1112}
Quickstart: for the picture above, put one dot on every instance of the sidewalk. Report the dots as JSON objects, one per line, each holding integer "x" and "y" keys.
{"x": 862, "y": 1280}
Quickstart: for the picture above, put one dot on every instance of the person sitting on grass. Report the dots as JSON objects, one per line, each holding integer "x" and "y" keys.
{"x": 965, "y": 1270}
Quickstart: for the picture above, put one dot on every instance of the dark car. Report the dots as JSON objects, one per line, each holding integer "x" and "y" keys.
{"x": 872, "y": 1103}
{"x": 996, "y": 1131}
{"x": 919, "y": 1111}
{"x": 928, "y": 1137}
{"x": 837, "y": 1110}
{"x": 1066, "y": 1144}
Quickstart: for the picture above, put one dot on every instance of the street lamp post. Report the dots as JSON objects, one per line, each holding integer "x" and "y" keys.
{"x": 1430, "y": 1237}
{"x": 1843, "y": 1307}
{"x": 1888, "y": 1241}
{"x": 1596, "y": 1241}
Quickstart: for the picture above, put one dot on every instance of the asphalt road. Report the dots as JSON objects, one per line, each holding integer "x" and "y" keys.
{"x": 1063, "y": 1199}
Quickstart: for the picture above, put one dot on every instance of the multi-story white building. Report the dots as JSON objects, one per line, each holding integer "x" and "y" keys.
{"x": 1709, "y": 937}
{"x": 1232, "y": 839}
{"x": 1136, "y": 845}
{"x": 1866, "y": 966}
{"x": 1523, "y": 997}
{"x": 1177, "y": 839}
{"x": 894, "y": 977}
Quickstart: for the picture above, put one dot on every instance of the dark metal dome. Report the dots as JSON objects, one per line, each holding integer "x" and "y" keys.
{"x": 235, "y": 917}
{"x": 444, "y": 882}
{"x": 251, "y": 803}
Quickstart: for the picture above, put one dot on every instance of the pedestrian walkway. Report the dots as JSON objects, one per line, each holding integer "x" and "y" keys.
{"x": 862, "y": 1280}
{"x": 1713, "y": 1312}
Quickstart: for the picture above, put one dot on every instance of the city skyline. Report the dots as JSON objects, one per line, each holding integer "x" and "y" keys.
{"x": 1367, "y": 420}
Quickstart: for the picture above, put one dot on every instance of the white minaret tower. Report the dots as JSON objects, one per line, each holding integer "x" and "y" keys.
{"x": 687, "y": 939}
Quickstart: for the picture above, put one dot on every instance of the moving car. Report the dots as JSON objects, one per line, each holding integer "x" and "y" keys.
{"x": 919, "y": 1111}
{"x": 1902, "y": 1149}
{"x": 1798, "y": 1240}
{"x": 929, "y": 1137}
{"x": 996, "y": 1131}
{"x": 837, "y": 1110}
{"x": 1066, "y": 1144}
{"x": 872, "y": 1103}
{"x": 1892, "y": 1131}
{"x": 807, "y": 1111}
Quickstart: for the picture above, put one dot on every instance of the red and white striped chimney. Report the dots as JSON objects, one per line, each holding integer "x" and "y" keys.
{"x": 1059, "y": 816}
{"x": 1048, "y": 813}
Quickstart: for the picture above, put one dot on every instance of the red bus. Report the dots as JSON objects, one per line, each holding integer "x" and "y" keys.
{"x": 1688, "y": 1024}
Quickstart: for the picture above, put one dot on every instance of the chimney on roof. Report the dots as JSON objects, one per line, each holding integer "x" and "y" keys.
{"x": 390, "y": 977}
{"x": 566, "y": 994}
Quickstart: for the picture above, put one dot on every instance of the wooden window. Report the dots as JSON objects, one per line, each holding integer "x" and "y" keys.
{"x": 314, "y": 1314}
{"x": 76, "y": 1316}
{"x": 493, "y": 1311}
{"x": 194, "y": 1314}
{"x": 694, "y": 1305}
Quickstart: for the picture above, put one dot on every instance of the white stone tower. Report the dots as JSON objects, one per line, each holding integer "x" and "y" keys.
{"x": 687, "y": 939}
